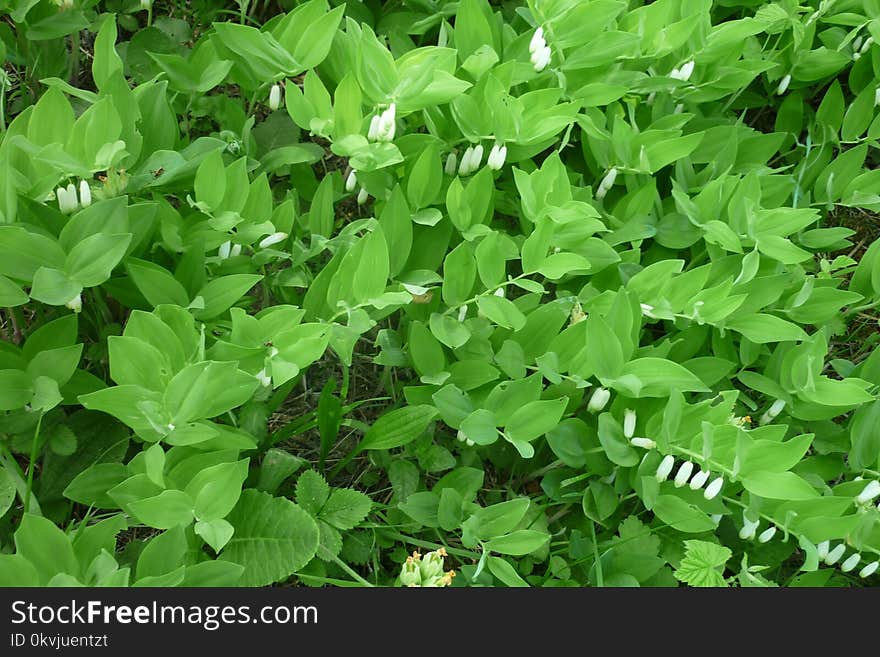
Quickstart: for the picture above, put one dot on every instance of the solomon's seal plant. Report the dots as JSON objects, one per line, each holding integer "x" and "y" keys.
{"x": 302, "y": 291}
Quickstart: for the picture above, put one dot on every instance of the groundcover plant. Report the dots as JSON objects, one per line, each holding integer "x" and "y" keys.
{"x": 427, "y": 293}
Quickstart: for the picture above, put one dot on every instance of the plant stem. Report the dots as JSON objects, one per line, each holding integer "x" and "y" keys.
{"x": 339, "y": 562}
{"x": 32, "y": 464}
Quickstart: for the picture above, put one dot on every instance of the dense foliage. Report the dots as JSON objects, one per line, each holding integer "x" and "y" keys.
{"x": 555, "y": 293}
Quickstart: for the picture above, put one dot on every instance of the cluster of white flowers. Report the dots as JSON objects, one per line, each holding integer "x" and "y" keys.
{"x": 684, "y": 73}
{"x": 497, "y": 156}
{"x": 629, "y": 430}
{"x": 606, "y": 184}
{"x": 461, "y": 436}
{"x": 539, "y": 52}
{"x": 684, "y": 473}
{"x": 228, "y": 249}
{"x": 275, "y": 97}
{"x": 382, "y": 126}
{"x": 750, "y": 528}
{"x": 470, "y": 161}
{"x": 67, "y": 200}
{"x": 351, "y": 183}
{"x": 831, "y": 555}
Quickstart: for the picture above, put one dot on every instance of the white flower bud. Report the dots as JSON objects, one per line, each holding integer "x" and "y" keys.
{"x": 541, "y": 58}
{"x": 713, "y": 488}
{"x": 870, "y": 569}
{"x": 608, "y": 181}
{"x": 699, "y": 479}
{"x": 451, "y": 164}
{"x": 477, "y": 157}
{"x": 644, "y": 443}
{"x": 273, "y": 351}
{"x": 75, "y": 304}
{"x": 537, "y": 41}
{"x": 716, "y": 518}
{"x": 867, "y": 44}
{"x": 499, "y": 292}
{"x": 274, "y": 238}
{"x": 749, "y": 527}
{"x": 877, "y": 97}
{"x": 857, "y": 43}
{"x": 66, "y": 204}
{"x": 85, "y": 194}
{"x": 683, "y": 474}
{"x": 684, "y": 73}
{"x": 496, "y": 157}
{"x": 264, "y": 379}
{"x": 665, "y": 467}
{"x": 598, "y": 400}
{"x": 373, "y": 133}
{"x": 362, "y": 196}
{"x": 275, "y": 97}
{"x": 469, "y": 442}
{"x": 351, "y": 181}
{"x": 460, "y": 436}
{"x": 386, "y": 125}
{"x": 783, "y": 85}
{"x": 851, "y": 562}
{"x": 869, "y": 492}
{"x": 629, "y": 423}
{"x": 235, "y": 250}
{"x": 834, "y": 554}
{"x": 822, "y": 549}
{"x": 223, "y": 251}
{"x": 462, "y": 313}
{"x": 767, "y": 534}
{"x": 465, "y": 167}
{"x": 773, "y": 412}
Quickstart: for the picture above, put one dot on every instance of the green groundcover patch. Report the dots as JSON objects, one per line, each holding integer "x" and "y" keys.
{"x": 428, "y": 293}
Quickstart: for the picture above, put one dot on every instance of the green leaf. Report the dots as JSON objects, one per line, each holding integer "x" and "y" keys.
{"x": 518, "y": 543}
{"x": 90, "y": 262}
{"x": 703, "y": 564}
{"x": 398, "y": 427}
{"x": 501, "y": 311}
{"x": 346, "y": 508}
{"x": 165, "y": 510}
{"x": 505, "y": 572}
{"x": 222, "y": 292}
{"x": 274, "y": 538}
{"x": 681, "y": 515}
{"x": 156, "y": 283}
{"x": 46, "y": 547}
{"x": 312, "y": 492}
{"x": 16, "y": 389}
{"x": 535, "y": 419}
{"x": 762, "y": 328}
{"x": 655, "y": 377}
{"x": 779, "y": 486}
